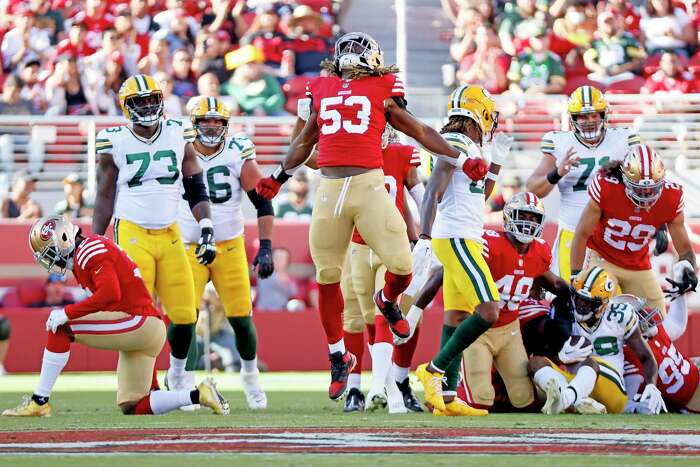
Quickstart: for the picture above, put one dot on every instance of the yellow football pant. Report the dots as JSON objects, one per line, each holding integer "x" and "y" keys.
{"x": 561, "y": 254}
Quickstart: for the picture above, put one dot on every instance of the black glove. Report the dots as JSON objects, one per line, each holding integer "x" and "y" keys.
{"x": 264, "y": 259}
{"x": 688, "y": 283}
{"x": 661, "y": 238}
{"x": 564, "y": 304}
{"x": 206, "y": 248}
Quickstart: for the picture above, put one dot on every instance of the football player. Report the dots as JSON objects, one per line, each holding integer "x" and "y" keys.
{"x": 517, "y": 258}
{"x": 460, "y": 200}
{"x": 629, "y": 201}
{"x": 349, "y": 111}
{"x": 142, "y": 167}
{"x": 118, "y": 315}
{"x": 229, "y": 169}
{"x": 570, "y": 160}
{"x": 594, "y": 355}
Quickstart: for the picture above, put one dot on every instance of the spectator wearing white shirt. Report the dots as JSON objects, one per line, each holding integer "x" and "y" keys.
{"x": 24, "y": 41}
{"x": 666, "y": 29}
{"x": 32, "y": 90}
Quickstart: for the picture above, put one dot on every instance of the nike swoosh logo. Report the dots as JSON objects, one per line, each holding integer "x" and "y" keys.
{"x": 232, "y": 248}
{"x": 98, "y": 269}
{"x": 174, "y": 242}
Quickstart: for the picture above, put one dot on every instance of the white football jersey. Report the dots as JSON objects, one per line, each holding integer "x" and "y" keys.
{"x": 574, "y": 185}
{"x": 149, "y": 181}
{"x": 617, "y": 324}
{"x": 222, "y": 175}
{"x": 460, "y": 213}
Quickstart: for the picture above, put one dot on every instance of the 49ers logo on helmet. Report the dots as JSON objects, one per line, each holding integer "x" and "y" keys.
{"x": 47, "y": 229}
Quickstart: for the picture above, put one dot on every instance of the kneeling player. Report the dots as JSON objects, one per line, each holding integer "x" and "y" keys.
{"x": 119, "y": 315}
{"x": 594, "y": 364}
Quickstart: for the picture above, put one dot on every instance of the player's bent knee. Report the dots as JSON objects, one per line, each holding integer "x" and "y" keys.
{"x": 354, "y": 326}
{"x": 5, "y": 329}
{"x": 128, "y": 408}
{"x": 488, "y": 311}
{"x": 328, "y": 275}
{"x": 181, "y": 317}
{"x": 482, "y": 389}
{"x": 522, "y": 394}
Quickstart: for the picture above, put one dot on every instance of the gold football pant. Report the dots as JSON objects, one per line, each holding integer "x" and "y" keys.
{"x": 363, "y": 275}
{"x": 161, "y": 258}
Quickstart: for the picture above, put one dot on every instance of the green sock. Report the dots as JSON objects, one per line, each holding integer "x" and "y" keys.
{"x": 467, "y": 332}
{"x": 179, "y": 338}
{"x": 246, "y": 336}
{"x": 452, "y": 370}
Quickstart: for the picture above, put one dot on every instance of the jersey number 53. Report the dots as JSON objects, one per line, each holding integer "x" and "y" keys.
{"x": 333, "y": 121}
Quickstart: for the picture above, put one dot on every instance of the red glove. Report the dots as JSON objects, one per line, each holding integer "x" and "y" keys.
{"x": 268, "y": 187}
{"x": 475, "y": 168}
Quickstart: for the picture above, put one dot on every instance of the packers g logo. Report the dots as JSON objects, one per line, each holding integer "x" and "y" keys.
{"x": 47, "y": 229}
{"x": 609, "y": 285}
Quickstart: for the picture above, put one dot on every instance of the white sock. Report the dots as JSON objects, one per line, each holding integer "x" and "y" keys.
{"x": 249, "y": 366}
{"x": 400, "y": 373}
{"x": 337, "y": 347}
{"x": 381, "y": 364}
{"x": 167, "y": 401}
{"x": 354, "y": 381}
{"x": 51, "y": 366}
{"x": 543, "y": 375}
{"x": 177, "y": 365}
{"x": 581, "y": 386}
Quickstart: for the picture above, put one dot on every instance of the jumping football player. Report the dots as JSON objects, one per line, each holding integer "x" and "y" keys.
{"x": 119, "y": 315}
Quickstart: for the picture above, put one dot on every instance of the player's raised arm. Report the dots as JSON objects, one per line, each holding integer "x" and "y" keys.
{"x": 250, "y": 175}
{"x": 589, "y": 219}
{"x": 107, "y": 174}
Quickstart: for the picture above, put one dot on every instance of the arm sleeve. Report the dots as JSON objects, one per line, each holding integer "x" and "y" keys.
{"x": 304, "y": 108}
{"x": 397, "y": 87}
{"x": 595, "y": 189}
{"x": 107, "y": 291}
{"x": 676, "y": 321}
{"x": 547, "y": 143}
{"x": 633, "y": 139}
{"x": 631, "y": 323}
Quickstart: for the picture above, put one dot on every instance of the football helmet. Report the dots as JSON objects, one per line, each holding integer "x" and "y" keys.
{"x": 389, "y": 136}
{"x": 524, "y": 228}
{"x": 476, "y": 103}
{"x": 643, "y": 174}
{"x": 649, "y": 317}
{"x": 593, "y": 289}
{"x": 141, "y": 100}
{"x": 586, "y": 100}
{"x": 357, "y": 49}
{"x": 52, "y": 240}
{"x": 210, "y": 108}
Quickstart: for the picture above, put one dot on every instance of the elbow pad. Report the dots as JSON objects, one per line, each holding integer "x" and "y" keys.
{"x": 262, "y": 205}
{"x": 195, "y": 189}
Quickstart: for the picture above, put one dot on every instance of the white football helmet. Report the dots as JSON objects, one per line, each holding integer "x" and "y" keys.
{"x": 357, "y": 49}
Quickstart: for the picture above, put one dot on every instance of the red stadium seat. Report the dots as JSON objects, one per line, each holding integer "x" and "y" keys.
{"x": 630, "y": 86}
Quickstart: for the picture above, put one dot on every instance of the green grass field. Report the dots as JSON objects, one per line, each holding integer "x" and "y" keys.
{"x": 87, "y": 401}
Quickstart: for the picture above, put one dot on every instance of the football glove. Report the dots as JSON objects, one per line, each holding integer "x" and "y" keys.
{"x": 263, "y": 260}
{"x": 475, "y": 168}
{"x": 413, "y": 317}
{"x": 653, "y": 400}
{"x": 57, "y": 318}
{"x": 500, "y": 148}
{"x": 206, "y": 248}
{"x": 269, "y": 187}
{"x": 661, "y": 238}
{"x": 574, "y": 353}
{"x": 684, "y": 280}
{"x": 422, "y": 256}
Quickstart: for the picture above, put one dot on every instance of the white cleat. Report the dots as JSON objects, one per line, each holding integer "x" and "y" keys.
{"x": 553, "y": 405}
{"x": 254, "y": 394}
{"x": 395, "y": 399}
{"x": 375, "y": 401}
{"x": 590, "y": 406}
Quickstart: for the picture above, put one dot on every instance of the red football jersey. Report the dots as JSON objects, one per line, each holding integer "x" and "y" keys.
{"x": 398, "y": 160}
{"x": 624, "y": 231}
{"x": 531, "y": 309}
{"x": 514, "y": 273}
{"x": 100, "y": 266}
{"x": 351, "y": 118}
{"x": 678, "y": 377}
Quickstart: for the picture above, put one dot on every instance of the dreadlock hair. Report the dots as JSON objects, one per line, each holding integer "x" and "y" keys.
{"x": 612, "y": 169}
{"x": 328, "y": 66}
{"x": 460, "y": 124}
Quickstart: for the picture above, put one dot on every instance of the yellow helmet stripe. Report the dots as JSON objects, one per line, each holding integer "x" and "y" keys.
{"x": 592, "y": 278}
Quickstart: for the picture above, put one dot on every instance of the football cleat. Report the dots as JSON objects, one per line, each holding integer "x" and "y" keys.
{"x": 209, "y": 396}
{"x": 554, "y": 404}
{"x": 376, "y": 402}
{"x": 186, "y": 382}
{"x": 459, "y": 408}
{"x": 590, "y": 406}
{"x": 432, "y": 385}
{"x": 397, "y": 323}
{"x": 410, "y": 401}
{"x": 254, "y": 394}
{"x": 355, "y": 402}
{"x": 28, "y": 408}
{"x": 394, "y": 398}
{"x": 341, "y": 366}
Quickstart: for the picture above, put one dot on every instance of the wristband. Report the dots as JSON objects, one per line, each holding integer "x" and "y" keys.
{"x": 425, "y": 237}
{"x": 491, "y": 176}
{"x": 265, "y": 243}
{"x": 206, "y": 223}
{"x": 553, "y": 177}
{"x": 280, "y": 175}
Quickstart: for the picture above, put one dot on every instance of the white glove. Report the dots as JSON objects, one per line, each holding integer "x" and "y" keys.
{"x": 57, "y": 318}
{"x": 652, "y": 397}
{"x": 571, "y": 353}
{"x": 500, "y": 148}
{"x": 413, "y": 317}
{"x": 422, "y": 256}
{"x": 679, "y": 268}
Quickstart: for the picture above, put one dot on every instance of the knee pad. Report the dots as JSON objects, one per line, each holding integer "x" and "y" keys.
{"x": 5, "y": 329}
{"x": 400, "y": 265}
{"x": 520, "y": 392}
{"x": 328, "y": 275}
{"x": 182, "y": 316}
{"x": 354, "y": 325}
{"x": 481, "y": 388}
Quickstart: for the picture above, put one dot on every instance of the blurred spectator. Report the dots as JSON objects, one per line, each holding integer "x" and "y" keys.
{"x": 65, "y": 89}
{"x": 615, "y": 55}
{"x": 264, "y": 34}
{"x": 488, "y": 65}
{"x": 672, "y": 77}
{"x": 182, "y": 73}
{"x": 514, "y": 13}
{"x": 180, "y": 35}
{"x": 208, "y": 86}
{"x": 511, "y": 185}
{"x": 537, "y": 71}
{"x": 131, "y": 47}
{"x": 32, "y": 89}
{"x": 5, "y": 333}
{"x": 468, "y": 23}
{"x": 105, "y": 92}
{"x": 11, "y": 101}
{"x": 24, "y": 41}
{"x": 578, "y": 24}
{"x": 158, "y": 58}
{"x": 305, "y": 49}
{"x": 75, "y": 44}
{"x": 223, "y": 353}
{"x": 74, "y": 205}
{"x": 275, "y": 292}
{"x": 172, "y": 106}
{"x": 297, "y": 204}
{"x": 56, "y": 293}
{"x": 19, "y": 203}
{"x": 94, "y": 65}
{"x": 143, "y": 24}
{"x": 256, "y": 91}
{"x": 97, "y": 18}
{"x": 226, "y": 16}
{"x": 626, "y": 10}
{"x": 175, "y": 10}
{"x": 209, "y": 54}
{"x": 666, "y": 28}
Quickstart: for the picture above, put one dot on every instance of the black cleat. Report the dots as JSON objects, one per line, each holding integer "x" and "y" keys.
{"x": 397, "y": 323}
{"x": 341, "y": 366}
{"x": 355, "y": 401}
{"x": 409, "y": 400}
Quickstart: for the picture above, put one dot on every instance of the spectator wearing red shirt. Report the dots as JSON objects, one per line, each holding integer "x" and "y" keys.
{"x": 671, "y": 77}
{"x": 306, "y": 47}
{"x": 76, "y": 42}
{"x": 143, "y": 23}
{"x": 624, "y": 9}
{"x": 97, "y": 18}
{"x": 488, "y": 65}
{"x": 264, "y": 34}
{"x": 158, "y": 58}
{"x": 134, "y": 45}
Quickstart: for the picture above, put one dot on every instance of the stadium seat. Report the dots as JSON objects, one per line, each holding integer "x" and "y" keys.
{"x": 630, "y": 86}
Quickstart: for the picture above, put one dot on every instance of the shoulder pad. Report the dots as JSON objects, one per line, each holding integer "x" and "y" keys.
{"x": 241, "y": 143}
